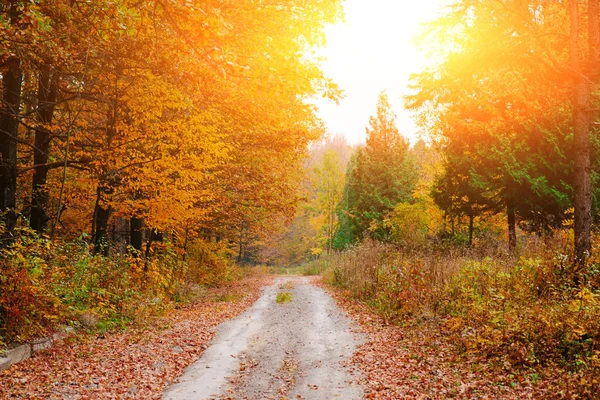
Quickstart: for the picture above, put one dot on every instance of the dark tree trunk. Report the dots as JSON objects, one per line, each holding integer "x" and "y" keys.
{"x": 136, "y": 238}
{"x": 47, "y": 92}
{"x": 12, "y": 78}
{"x": 101, "y": 216}
{"x": 581, "y": 132}
{"x": 512, "y": 228}
{"x": 471, "y": 218}
{"x": 108, "y": 180}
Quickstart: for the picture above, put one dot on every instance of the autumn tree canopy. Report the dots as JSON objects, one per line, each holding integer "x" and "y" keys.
{"x": 120, "y": 118}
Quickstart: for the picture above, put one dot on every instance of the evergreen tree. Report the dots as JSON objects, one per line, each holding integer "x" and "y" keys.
{"x": 384, "y": 175}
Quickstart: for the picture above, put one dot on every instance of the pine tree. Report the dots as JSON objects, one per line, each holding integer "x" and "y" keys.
{"x": 385, "y": 175}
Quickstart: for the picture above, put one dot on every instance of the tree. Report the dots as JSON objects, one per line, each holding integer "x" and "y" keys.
{"x": 12, "y": 79}
{"x": 155, "y": 118}
{"x": 385, "y": 175}
{"x": 457, "y": 195}
{"x": 499, "y": 95}
{"x": 329, "y": 185}
{"x": 584, "y": 69}
{"x": 346, "y": 233}
{"x": 312, "y": 229}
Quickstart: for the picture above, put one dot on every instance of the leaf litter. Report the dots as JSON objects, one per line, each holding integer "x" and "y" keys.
{"x": 137, "y": 363}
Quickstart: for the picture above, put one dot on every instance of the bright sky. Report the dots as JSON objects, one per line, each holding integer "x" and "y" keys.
{"x": 371, "y": 51}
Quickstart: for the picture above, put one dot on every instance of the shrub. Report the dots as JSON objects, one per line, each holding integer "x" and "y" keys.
{"x": 409, "y": 224}
{"x": 522, "y": 310}
{"x": 209, "y": 264}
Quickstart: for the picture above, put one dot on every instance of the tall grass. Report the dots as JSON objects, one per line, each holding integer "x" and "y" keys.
{"x": 521, "y": 308}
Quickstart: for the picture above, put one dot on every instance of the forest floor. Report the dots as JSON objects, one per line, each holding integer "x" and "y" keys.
{"x": 284, "y": 337}
{"x": 137, "y": 363}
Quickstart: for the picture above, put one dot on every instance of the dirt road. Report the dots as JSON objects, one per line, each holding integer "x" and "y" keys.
{"x": 297, "y": 350}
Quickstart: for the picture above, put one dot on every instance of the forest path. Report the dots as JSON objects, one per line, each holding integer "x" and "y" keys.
{"x": 297, "y": 350}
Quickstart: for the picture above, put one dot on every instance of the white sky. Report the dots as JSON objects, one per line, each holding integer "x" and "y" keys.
{"x": 371, "y": 51}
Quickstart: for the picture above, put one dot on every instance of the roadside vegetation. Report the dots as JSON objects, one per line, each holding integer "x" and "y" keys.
{"x": 47, "y": 285}
{"x": 521, "y": 313}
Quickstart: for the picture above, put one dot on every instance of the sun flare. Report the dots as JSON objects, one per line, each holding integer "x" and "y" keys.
{"x": 371, "y": 51}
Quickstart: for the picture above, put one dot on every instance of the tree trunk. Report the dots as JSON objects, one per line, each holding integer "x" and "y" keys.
{"x": 101, "y": 216}
{"x": 47, "y": 93}
{"x": 512, "y": 229}
{"x": 471, "y": 218}
{"x": 581, "y": 133}
{"x": 136, "y": 237}
{"x": 12, "y": 78}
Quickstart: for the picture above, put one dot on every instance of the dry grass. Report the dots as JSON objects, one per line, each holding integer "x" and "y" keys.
{"x": 524, "y": 310}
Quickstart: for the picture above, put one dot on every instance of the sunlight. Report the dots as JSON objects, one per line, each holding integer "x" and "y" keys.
{"x": 371, "y": 51}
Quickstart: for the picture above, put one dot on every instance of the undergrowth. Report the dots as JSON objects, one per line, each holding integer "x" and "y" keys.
{"x": 46, "y": 284}
{"x": 522, "y": 311}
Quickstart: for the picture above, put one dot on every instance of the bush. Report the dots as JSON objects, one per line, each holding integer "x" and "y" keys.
{"x": 44, "y": 284}
{"x": 28, "y": 304}
{"x": 316, "y": 267}
{"x": 210, "y": 264}
{"x": 522, "y": 310}
{"x": 409, "y": 224}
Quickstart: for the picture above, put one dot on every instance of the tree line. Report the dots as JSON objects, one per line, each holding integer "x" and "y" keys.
{"x": 511, "y": 101}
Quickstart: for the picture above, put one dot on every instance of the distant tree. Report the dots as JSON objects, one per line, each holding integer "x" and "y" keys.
{"x": 330, "y": 183}
{"x": 311, "y": 231}
{"x": 385, "y": 175}
{"x": 346, "y": 209}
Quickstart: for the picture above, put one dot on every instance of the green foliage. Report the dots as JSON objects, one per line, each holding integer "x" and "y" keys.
{"x": 284, "y": 297}
{"x": 505, "y": 127}
{"x": 346, "y": 233}
{"x": 382, "y": 175}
